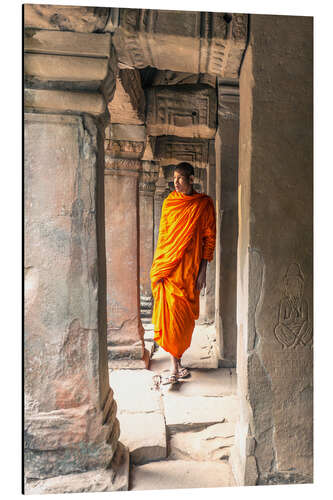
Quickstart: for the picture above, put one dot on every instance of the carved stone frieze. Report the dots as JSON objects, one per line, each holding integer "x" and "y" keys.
{"x": 148, "y": 177}
{"x": 122, "y": 166}
{"x": 185, "y": 113}
{"x": 185, "y": 41}
{"x": 124, "y": 149}
{"x": 173, "y": 150}
{"x": 177, "y": 78}
{"x": 128, "y": 103}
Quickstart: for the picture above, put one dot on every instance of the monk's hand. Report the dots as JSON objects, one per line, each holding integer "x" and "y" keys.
{"x": 201, "y": 279}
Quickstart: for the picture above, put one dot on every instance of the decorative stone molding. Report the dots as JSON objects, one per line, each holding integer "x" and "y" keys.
{"x": 184, "y": 41}
{"x": 148, "y": 178}
{"x": 173, "y": 150}
{"x": 117, "y": 166}
{"x": 125, "y": 141}
{"x": 185, "y": 113}
{"x": 128, "y": 104}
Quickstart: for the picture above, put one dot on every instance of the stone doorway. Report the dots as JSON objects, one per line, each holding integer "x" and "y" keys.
{"x": 110, "y": 105}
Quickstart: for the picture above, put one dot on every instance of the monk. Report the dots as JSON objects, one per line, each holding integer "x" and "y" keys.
{"x": 185, "y": 244}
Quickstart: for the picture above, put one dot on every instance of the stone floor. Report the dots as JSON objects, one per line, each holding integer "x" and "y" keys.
{"x": 179, "y": 436}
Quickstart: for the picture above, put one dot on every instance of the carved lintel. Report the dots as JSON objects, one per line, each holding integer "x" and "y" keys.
{"x": 210, "y": 42}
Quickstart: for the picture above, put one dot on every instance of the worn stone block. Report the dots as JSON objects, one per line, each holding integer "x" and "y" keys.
{"x": 213, "y": 443}
{"x": 145, "y": 436}
{"x": 61, "y": 17}
{"x": 195, "y": 412}
{"x": 128, "y": 103}
{"x": 175, "y": 474}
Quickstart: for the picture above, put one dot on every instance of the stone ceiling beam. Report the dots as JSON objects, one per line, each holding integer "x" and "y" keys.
{"x": 185, "y": 113}
{"x": 185, "y": 41}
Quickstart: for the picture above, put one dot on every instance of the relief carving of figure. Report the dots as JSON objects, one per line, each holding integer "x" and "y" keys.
{"x": 294, "y": 327}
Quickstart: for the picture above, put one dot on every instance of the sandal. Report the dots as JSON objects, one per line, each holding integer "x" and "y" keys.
{"x": 183, "y": 373}
{"x": 171, "y": 379}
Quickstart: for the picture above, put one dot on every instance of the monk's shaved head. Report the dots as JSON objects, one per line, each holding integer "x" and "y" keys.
{"x": 185, "y": 169}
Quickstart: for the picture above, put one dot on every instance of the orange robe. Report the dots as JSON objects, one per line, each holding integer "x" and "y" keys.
{"x": 186, "y": 236}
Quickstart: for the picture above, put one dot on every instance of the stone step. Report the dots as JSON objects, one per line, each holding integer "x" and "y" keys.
{"x": 197, "y": 412}
{"x": 145, "y": 436}
{"x": 176, "y": 474}
{"x": 213, "y": 443}
{"x": 140, "y": 415}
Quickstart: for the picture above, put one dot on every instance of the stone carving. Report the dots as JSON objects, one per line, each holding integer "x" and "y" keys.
{"x": 185, "y": 113}
{"x": 124, "y": 149}
{"x": 177, "y": 78}
{"x": 294, "y": 327}
{"x": 175, "y": 150}
{"x": 211, "y": 42}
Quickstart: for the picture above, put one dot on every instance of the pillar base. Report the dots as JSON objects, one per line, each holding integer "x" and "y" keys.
{"x": 115, "y": 478}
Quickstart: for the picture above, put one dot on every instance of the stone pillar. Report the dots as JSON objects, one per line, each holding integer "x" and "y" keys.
{"x": 211, "y": 267}
{"x": 122, "y": 168}
{"x": 148, "y": 178}
{"x": 226, "y": 145}
{"x": 70, "y": 424}
{"x": 161, "y": 192}
{"x": 273, "y": 443}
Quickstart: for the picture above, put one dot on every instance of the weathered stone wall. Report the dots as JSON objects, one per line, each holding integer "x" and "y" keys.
{"x": 274, "y": 317}
{"x": 226, "y": 145}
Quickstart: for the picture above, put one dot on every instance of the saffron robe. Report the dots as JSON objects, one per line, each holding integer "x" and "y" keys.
{"x": 187, "y": 235}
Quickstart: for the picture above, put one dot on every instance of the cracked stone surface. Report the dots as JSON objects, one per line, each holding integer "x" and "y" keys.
{"x": 184, "y": 413}
{"x": 213, "y": 443}
{"x": 173, "y": 474}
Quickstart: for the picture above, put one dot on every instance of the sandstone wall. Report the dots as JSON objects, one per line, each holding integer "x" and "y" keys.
{"x": 274, "y": 360}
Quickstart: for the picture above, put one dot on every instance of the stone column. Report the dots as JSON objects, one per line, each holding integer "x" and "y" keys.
{"x": 122, "y": 167}
{"x": 148, "y": 178}
{"x": 226, "y": 146}
{"x": 211, "y": 267}
{"x": 274, "y": 435}
{"x": 70, "y": 424}
{"x": 161, "y": 192}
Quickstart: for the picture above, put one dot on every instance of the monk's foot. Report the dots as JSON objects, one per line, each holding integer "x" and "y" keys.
{"x": 183, "y": 372}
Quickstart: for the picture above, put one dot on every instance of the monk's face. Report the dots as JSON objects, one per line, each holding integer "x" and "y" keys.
{"x": 182, "y": 183}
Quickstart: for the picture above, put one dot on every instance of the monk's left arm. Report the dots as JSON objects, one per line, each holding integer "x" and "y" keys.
{"x": 209, "y": 234}
{"x": 209, "y": 239}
